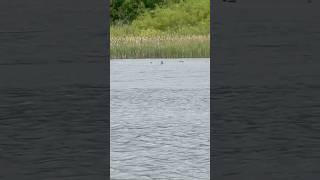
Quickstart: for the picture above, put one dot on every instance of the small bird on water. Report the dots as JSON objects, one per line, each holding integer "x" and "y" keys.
{"x": 161, "y": 62}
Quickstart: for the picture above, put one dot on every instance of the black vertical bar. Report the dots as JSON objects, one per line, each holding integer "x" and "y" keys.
{"x": 212, "y": 59}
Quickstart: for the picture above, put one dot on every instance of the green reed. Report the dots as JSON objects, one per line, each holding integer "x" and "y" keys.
{"x": 160, "y": 46}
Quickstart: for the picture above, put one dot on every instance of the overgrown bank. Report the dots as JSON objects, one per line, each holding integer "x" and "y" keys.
{"x": 176, "y": 29}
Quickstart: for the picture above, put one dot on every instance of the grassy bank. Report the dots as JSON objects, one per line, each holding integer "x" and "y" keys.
{"x": 180, "y": 29}
{"x": 164, "y": 46}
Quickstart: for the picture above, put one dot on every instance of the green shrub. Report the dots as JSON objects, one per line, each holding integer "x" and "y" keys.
{"x": 125, "y": 11}
{"x": 190, "y": 16}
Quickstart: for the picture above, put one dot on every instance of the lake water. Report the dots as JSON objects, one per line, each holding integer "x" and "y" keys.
{"x": 160, "y": 119}
{"x": 53, "y": 90}
{"x": 266, "y": 90}
{"x": 53, "y": 125}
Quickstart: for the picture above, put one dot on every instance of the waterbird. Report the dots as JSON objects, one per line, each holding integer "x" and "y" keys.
{"x": 161, "y": 62}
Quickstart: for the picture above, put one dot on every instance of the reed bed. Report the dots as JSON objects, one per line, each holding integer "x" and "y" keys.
{"x": 162, "y": 46}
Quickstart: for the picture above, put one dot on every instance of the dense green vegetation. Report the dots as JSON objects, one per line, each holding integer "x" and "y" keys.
{"x": 125, "y": 11}
{"x": 164, "y": 46}
{"x": 160, "y": 28}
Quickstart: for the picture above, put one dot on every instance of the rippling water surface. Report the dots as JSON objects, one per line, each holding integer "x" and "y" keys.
{"x": 160, "y": 119}
{"x": 266, "y": 91}
{"x": 53, "y": 90}
{"x": 52, "y": 126}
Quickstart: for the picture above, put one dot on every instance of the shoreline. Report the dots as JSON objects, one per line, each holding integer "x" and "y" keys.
{"x": 159, "y": 59}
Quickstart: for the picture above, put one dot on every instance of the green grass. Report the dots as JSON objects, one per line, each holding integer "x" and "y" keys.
{"x": 164, "y": 46}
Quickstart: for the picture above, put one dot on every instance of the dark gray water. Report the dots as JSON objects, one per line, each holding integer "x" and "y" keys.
{"x": 51, "y": 131}
{"x": 266, "y": 91}
{"x": 53, "y": 121}
{"x": 160, "y": 119}
{"x": 53, "y": 90}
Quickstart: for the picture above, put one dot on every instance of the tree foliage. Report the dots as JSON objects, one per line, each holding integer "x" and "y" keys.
{"x": 125, "y": 11}
{"x": 152, "y": 18}
{"x": 190, "y": 15}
